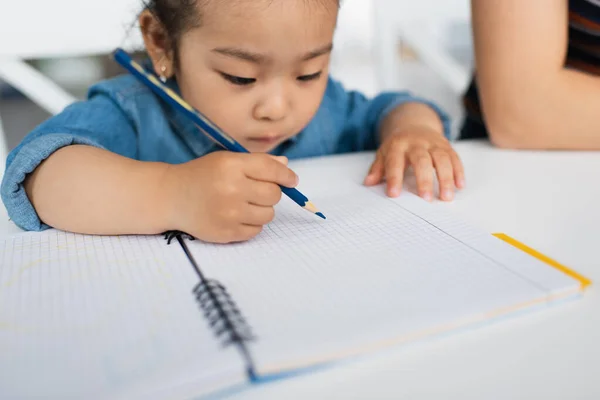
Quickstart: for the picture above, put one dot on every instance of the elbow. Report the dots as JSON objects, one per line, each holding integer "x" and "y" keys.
{"x": 516, "y": 128}
{"x": 505, "y": 137}
{"x": 516, "y": 137}
{"x": 524, "y": 114}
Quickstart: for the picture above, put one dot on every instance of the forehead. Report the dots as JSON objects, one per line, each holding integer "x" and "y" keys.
{"x": 295, "y": 25}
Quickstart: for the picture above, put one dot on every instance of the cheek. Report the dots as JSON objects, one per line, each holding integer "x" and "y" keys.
{"x": 309, "y": 102}
{"x": 213, "y": 97}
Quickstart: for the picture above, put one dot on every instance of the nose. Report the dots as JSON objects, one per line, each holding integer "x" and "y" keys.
{"x": 273, "y": 106}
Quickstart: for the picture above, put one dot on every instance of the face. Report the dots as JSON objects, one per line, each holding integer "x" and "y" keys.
{"x": 258, "y": 68}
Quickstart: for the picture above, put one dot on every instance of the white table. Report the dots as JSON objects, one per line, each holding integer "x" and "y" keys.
{"x": 550, "y": 202}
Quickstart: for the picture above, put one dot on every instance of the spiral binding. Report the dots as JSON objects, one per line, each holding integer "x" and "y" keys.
{"x": 170, "y": 235}
{"x": 223, "y": 315}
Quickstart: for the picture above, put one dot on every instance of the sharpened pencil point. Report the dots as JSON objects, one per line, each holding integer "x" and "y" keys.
{"x": 313, "y": 209}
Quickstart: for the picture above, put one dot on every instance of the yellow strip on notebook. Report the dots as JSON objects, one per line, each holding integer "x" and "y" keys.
{"x": 582, "y": 279}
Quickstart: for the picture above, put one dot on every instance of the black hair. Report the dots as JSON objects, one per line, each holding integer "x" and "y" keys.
{"x": 179, "y": 16}
{"x": 176, "y": 16}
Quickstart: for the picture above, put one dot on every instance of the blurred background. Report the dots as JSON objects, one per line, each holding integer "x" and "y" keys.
{"x": 52, "y": 51}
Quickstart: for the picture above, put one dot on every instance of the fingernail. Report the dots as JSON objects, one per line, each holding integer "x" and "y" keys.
{"x": 447, "y": 194}
{"x": 427, "y": 196}
{"x": 461, "y": 183}
{"x": 394, "y": 192}
{"x": 371, "y": 178}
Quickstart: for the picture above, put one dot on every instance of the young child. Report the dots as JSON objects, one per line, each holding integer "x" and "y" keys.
{"x": 124, "y": 162}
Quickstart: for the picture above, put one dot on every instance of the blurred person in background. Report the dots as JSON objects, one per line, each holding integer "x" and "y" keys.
{"x": 537, "y": 74}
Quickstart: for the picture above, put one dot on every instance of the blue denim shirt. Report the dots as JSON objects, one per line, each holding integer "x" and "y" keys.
{"x": 123, "y": 116}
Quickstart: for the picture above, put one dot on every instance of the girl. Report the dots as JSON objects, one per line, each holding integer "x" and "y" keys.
{"x": 124, "y": 162}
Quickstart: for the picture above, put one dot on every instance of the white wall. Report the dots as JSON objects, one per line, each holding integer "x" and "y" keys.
{"x": 447, "y": 21}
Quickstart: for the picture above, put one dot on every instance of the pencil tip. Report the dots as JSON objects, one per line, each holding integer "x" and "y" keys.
{"x": 320, "y": 214}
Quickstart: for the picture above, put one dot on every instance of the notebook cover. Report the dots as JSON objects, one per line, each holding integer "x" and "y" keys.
{"x": 585, "y": 282}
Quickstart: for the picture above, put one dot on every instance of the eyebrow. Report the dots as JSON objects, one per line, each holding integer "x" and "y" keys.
{"x": 258, "y": 58}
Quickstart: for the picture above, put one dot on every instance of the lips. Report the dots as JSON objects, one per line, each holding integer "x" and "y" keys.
{"x": 266, "y": 139}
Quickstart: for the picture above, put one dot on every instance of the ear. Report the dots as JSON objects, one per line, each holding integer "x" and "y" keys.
{"x": 158, "y": 44}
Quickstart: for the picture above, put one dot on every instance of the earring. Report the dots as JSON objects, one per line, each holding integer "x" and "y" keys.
{"x": 162, "y": 76}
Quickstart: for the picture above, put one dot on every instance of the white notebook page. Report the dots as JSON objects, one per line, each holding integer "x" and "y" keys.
{"x": 376, "y": 272}
{"x": 104, "y": 317}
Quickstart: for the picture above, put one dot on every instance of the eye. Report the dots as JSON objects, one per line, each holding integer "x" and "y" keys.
{"x": 311, "y": 77}
{"x": 238, "y": 80}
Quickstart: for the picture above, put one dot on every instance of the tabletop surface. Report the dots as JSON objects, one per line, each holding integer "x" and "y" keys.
{"x": 548, "y": 200}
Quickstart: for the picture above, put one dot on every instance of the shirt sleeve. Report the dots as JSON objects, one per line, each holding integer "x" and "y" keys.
{"x": 98, "y": 122}
{"x": 362, "y": 117}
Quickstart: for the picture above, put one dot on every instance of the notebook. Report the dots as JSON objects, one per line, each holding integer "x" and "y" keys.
{"x": 130, "y": 317}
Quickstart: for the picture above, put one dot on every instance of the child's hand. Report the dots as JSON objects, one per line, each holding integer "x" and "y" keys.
{"x": 227, "y": 197}
{"x": 424, "y": 149}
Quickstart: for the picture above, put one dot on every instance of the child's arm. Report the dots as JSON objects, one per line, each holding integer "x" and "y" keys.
{"x": 220, "y": 197}
{"x": 90, "y": 128}
{"x": 79, "y": 171}
{"x": 86, "y": 189}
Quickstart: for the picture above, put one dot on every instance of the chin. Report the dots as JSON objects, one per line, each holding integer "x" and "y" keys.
{"x": 254, "y": 147}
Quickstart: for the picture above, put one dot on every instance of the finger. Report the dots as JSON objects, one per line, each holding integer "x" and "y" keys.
{"x": 394, "y": 172}
{"x": 459, "y": 170}
{"x": 263, "y": 193}
{"x": 443, "y": 166}
{"x": 244, "y": 232}
{"x": 262, "y": 167}
{"x": 423, "y": 167}
{"x": 257, "y": 215}
{"x": 281, "y": 159}
{"x": 375, "y": 174}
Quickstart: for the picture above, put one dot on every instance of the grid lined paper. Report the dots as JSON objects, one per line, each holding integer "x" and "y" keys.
{"x": 95, "y": 316}
{"x": 116, "y": 315}
{"x": 376, "y": 270}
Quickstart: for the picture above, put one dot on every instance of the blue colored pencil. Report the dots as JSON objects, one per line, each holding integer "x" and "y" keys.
{"x": 204, "y": 123}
